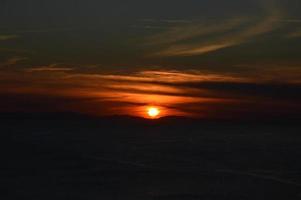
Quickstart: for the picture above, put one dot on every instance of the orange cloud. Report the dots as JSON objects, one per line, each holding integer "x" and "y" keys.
{"x": 175, "y": 92}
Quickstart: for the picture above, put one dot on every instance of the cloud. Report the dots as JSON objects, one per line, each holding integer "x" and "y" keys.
{"x": 13, "y": 61}
{"x": 177, "y": 92}
{"x": 50, "y": 68}
{"x": 295, "y": 34}
{"x": 8, "y": 37}
{"x": 280, "y": 72}
{"x": 182, "y": 33}
{"x": 297, "y": 21}
{"x": 159, "y": 24}
{"x": 168, "y": 21}
{"x": 14, "y": 50}
{"x": 194, "y": 84}
{"x": 228, "y": 35}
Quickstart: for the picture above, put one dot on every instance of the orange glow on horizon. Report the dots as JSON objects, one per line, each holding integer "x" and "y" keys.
{"x": 146, "y": 94}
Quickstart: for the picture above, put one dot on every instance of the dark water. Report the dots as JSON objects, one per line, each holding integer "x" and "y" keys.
{"x": 133, "y": 159}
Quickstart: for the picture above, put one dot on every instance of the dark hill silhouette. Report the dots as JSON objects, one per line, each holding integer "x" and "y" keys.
{"x": 171, "y": 120}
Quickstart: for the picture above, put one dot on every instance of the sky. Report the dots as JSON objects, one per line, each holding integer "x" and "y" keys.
{"x": 205, "y": 58}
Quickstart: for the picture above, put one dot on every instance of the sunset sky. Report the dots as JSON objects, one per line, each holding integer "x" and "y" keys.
{"x": 205, "y": 58}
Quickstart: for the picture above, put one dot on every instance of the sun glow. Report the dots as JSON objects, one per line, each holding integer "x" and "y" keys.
{"x": 153, "y": 112}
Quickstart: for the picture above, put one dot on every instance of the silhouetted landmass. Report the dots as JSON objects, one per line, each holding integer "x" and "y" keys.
{"x": 76, "y": 156}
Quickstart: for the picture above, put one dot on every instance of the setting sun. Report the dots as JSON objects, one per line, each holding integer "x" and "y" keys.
{"x": 153, "y": 112}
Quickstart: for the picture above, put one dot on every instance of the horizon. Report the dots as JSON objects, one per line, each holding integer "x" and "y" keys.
{"x": 71, "y": 115}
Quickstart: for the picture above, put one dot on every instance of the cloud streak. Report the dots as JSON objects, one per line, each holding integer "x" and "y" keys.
{"x": 182, "y": 33}
{"x": 188, "y": 93}
{"x": 230, "y": 34}
{"x": 295, "y": 34}
{"x": 13, "y": 61}
{"x": 50, "y": 68}
{"x": 8, "y": 37}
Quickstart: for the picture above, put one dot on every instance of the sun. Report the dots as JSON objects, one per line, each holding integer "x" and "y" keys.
{"x": 153, "y": 112}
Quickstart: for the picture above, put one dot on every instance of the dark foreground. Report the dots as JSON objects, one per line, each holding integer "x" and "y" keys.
{"x": 169, "y": 159}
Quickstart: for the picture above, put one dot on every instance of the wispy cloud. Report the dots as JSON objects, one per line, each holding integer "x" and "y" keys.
{"x": 49, "y": 30}
{"x": 196, "y": 29}
{"x": 297, "y": 21}
{"x": 228, "y": 35}
{"x": 13, "y": 61}
{"x": 295, "y": 34}
{"x": 186, "y": 76}
{"x": 49, "y": 68}
{"x": 8, "y": 37}
{"x": 169, "y": 21}
{"x": 280, "y": 72}
{"x": 177, "y": 92}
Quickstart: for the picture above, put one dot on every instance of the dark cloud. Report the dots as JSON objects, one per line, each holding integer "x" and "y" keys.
{"x": 255, "y": 90}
